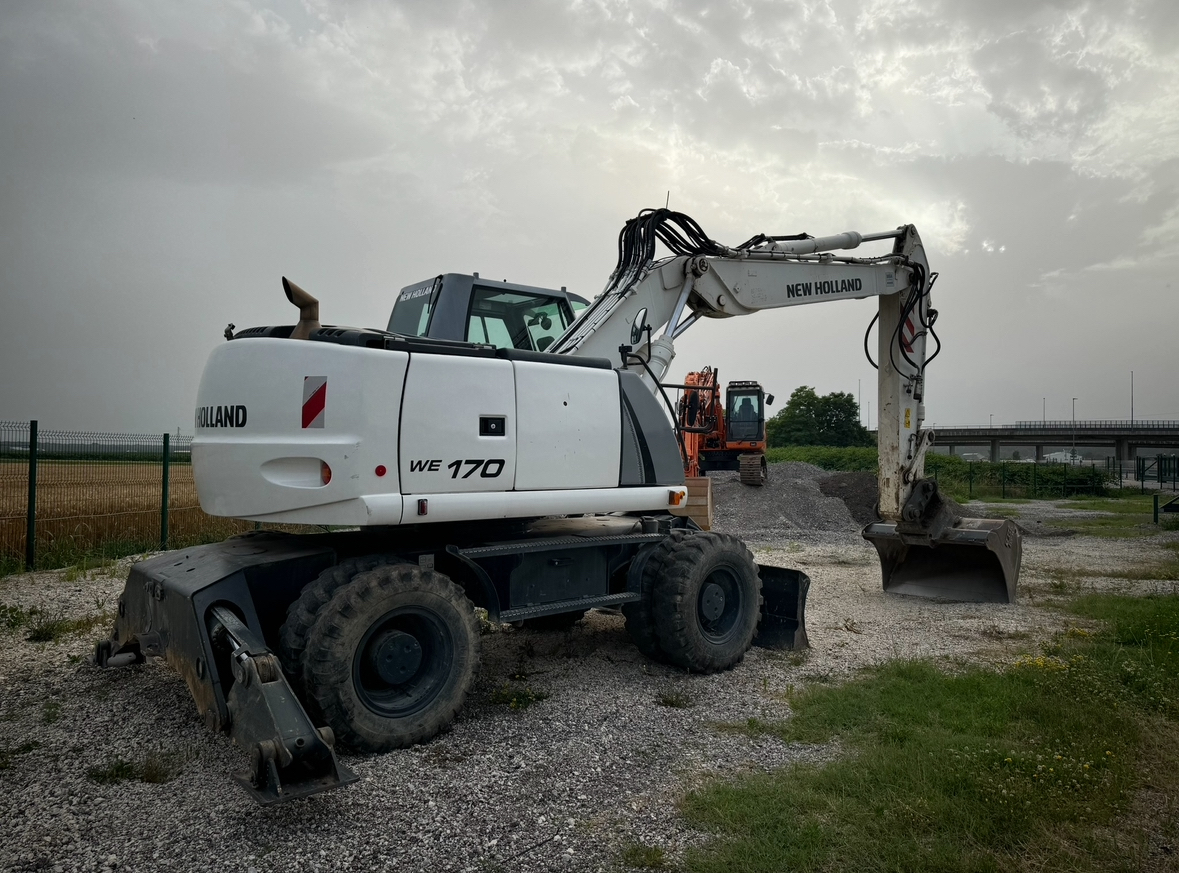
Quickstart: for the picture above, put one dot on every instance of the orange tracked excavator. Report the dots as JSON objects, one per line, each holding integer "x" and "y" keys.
{"x": 731, "y": 436}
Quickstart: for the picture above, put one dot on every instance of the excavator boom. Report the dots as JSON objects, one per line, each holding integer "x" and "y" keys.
{"x": 925, "y": 550}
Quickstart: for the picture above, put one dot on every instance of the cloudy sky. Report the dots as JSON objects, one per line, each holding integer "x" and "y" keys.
{"x": 163, "y": 165}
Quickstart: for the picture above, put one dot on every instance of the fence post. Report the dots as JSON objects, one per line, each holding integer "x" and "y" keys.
{"x": 164, "y": 500}
{"x": 1003, "y": 480}
{"x": 31, "y": 505}
{"x": 1156, "y": 507}
{"x": 970, "y": 467}
{"x": 1035, "y": 492}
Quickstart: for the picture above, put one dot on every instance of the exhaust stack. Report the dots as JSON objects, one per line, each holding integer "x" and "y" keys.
{"x": 308, "y": 309}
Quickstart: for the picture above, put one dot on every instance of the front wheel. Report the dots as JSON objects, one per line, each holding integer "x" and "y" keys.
{"x": 391, "y": 657}
{"x": 707, "y": 602}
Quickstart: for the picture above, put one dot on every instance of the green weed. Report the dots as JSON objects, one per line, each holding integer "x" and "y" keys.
{"x": 45, "y": 627}
{"x": 516, "y": 696}
{"x": 13, "y": 617}
{"x": 51, "y": 712}
{"x": 154, "y": 767}
{"x": 643, "y": 857}
{"x": 6, "y": 755}
{"x": 114, "y": 771}
{"x": 675, "y": 699}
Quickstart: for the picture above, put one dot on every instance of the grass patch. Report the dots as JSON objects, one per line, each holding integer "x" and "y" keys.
{"x": 1034, "y": 767}
{"x": 46, "y": 627}
{"x": 6, "y": 755}
{"x": 155, "y": 768}
{"x": 51, "y": 712}
{"x": 643, "y": 857}
{"x": 516, "y": 696}
{"x": 1129, "y": 515}
{"x": 675, "y": 699}
{"x": 114, "y": 771}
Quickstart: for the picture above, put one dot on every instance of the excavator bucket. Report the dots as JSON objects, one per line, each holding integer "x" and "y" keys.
{"x": 947, "y": 557}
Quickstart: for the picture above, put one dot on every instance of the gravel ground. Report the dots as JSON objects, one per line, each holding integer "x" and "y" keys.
{"x": 564, "y": 784}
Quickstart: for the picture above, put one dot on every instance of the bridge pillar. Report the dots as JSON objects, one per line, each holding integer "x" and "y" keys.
{"x": 1126, "y": 451}
{"x": 1039, "y": 454}
{"x": 994, "y": 451}
{"x": 953, "y": 450}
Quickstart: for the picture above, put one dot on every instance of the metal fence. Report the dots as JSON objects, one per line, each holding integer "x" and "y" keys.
{"x": 66, "y": 494}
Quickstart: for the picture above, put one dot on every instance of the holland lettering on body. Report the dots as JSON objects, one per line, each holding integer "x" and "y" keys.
{"x": 827, "y": 286}
{"x": 221, "y": 416}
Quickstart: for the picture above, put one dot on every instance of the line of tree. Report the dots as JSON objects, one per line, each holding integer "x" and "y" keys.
{"x": 812, "y": 420}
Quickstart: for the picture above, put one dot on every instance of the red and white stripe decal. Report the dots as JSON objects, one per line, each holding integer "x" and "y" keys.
{"x": 314, "y": 400}
{"x": 908, "y": 335}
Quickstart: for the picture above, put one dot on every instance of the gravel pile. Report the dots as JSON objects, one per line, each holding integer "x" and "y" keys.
{"x": 859, "y": 492}
{"x": 563, "y": 784}
{"x": 791, "y": 505}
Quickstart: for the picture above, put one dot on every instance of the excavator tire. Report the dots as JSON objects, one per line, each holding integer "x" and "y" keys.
{"x": 640, "y": 614}
{"x": 391, "y": 657}
{"x": 707, "y": 602}
{"x": 301, "y": 614}
{"x": 754, "y": 469}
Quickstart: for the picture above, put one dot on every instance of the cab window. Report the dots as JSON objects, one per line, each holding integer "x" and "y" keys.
{"x": 744, "y": 417}
{"x": 511, "y": 319}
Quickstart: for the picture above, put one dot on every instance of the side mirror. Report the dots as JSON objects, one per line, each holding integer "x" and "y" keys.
{"x": 769, "y": 400}
{"x": 637, "y": 328}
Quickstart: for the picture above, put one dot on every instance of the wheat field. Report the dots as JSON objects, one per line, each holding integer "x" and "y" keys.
{"x": 84, "y": 506}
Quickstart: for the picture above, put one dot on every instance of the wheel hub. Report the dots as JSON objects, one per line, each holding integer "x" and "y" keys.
{"x": 396, "y": 656}
{"x": 712, "y": 601}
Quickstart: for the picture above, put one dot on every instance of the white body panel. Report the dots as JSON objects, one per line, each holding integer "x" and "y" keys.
{"x": 234, "y": 466}
{"x": 569, "y": 427}
{"x": 445, "y": 395}
{"x": 259, "y": 447}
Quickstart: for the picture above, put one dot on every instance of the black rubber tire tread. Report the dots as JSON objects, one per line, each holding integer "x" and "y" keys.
{"x": 302, "y": 613}
{"x": 688, "y": 564}
{"x": 339, "y": 629}
{"x": 561, "y": 621}
{"x": 640, "y": 614}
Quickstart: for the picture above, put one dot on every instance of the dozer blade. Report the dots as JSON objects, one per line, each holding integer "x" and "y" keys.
{"x": 208, "y": 612}
{"x": 973, "y": 560}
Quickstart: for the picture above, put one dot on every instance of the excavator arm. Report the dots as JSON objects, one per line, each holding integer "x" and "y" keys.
{"x": 924, "y": 547}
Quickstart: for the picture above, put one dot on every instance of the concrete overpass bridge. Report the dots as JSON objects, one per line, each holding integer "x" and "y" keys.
{"x": 1124, "y": 437}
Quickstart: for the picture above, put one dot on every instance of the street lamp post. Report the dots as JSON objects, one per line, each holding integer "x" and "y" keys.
{"x": 1073, "y": 456}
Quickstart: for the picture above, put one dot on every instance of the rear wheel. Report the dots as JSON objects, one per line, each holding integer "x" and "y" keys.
{"x": 391, "y": 657}
{"x": 302, "y": 613}
{"x": 707, "y": 602}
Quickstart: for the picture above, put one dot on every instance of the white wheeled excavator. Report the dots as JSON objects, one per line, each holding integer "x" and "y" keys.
{"x": 488, "y": 450}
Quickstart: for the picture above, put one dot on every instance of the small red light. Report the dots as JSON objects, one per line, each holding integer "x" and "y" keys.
{"x": 381, "y": 470}
{"x": 423, "y": 506}
{"x": 325, "y": 472}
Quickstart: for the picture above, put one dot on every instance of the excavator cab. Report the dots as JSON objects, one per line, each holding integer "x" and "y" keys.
{"x": 506, "y": 315}
{"x": 745, "y": 416}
